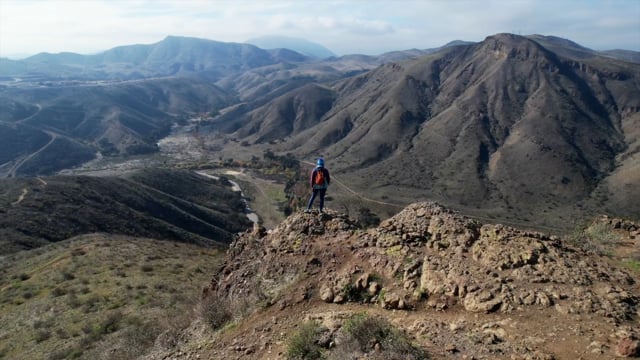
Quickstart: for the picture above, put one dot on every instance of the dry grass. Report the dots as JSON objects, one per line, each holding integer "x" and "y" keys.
{"x": 79, "y": 297}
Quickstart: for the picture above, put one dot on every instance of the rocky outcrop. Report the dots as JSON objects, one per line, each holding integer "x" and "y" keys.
{"x": 425, "y": 255}
{"x": 487, "y": 281}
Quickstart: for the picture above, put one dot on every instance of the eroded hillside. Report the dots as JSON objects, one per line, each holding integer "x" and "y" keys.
{"x": 506, "y": 127}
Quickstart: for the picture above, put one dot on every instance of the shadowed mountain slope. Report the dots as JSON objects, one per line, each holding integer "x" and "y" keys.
{"x": 289, "y": 114}
{"x": 160, "y": 204}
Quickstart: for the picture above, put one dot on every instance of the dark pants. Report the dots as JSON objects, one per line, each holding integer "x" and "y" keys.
{"x": 317, "y": 192}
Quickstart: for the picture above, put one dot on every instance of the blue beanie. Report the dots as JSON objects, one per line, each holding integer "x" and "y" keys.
{"x": 321, "y": 162}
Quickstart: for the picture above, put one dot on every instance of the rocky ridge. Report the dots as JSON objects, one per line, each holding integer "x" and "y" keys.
{"x": 454, "y": 284}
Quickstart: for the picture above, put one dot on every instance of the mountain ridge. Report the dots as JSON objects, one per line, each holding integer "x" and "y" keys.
{"x": 299, "y": 45}
{"x": 497, "y": 117}
{"x": 187, "y": 55}
{"x": 487, "y": 126}
{"x": 174, "y": 55}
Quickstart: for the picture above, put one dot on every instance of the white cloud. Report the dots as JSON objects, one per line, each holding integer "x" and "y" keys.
{"x": 347, "y": 26}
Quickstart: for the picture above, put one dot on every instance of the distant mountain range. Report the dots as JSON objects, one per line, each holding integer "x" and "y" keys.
{"x": 170, "y": 57}
{"x": 302, "y": 46}
{"x": 517, "y": 124}
{"x": 60, "y": 110}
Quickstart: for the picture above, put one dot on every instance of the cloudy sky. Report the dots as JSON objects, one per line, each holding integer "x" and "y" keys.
{"x": 348, "y": 26}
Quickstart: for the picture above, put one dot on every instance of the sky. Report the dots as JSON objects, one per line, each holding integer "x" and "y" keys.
{"x": 368, "y": 27}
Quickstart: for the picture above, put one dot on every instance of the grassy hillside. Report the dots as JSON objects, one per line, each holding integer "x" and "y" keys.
{"x": 155, "y": 203}
{"x": 98, "y": 296}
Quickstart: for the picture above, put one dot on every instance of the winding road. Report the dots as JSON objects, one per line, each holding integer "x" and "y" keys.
{"x": 14, "y": 169}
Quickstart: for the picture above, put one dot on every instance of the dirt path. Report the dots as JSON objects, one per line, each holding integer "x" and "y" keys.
{"x": 25, "y": 191}
{"x": 31, "y": 116}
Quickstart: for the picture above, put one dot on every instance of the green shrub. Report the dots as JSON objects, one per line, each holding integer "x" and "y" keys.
{"x": 58, "y": 291}
{"x": 65, "y": 275}
{"x": 602, "y": 233}
{"x": 69, "y": 353}
{"x": 96, "y": 332}
{"x": 146, "y": 268}
{"x": 304, "y": 344}
{"x": 42, "y": 335}
{"x": 215, "y": 311}
{"x": 632, "y": 264}
{"x": 363, "y": 332}
{"x": 597, "y": 237}
{"x": 24, "y": 276}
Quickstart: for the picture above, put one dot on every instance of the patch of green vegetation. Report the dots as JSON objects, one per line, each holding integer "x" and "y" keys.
{"x": 598, "y": 237}
{"x": 368, "y": 332}
{"x": 393, "y": 250}
{"x": 303, "y": 345}
{"x": 351, "y": 293}
{"x": 632, "y": 264}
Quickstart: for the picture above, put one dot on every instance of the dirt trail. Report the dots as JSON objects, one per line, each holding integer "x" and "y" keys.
{"x": 31, "y": 116}
{"x": 12, "y": 172}
{"x": 25, "y": 191}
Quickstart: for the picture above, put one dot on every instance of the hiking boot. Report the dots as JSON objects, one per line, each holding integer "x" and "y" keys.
{"x": 307, "y": 211}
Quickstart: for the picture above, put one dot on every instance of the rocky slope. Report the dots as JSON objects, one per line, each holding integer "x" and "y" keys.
{"x": 458, "y": 289}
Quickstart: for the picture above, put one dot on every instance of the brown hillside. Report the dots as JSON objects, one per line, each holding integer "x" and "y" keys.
{"x": 505, "y": 125}
{"x": 289, "y": 114}
{"x": 454, "y": 287}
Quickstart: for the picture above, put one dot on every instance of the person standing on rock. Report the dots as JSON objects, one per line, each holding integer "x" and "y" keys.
{"x": 319, "y": 181}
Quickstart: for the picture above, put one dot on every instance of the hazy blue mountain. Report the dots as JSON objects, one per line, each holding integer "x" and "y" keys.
{"x": 302, "y": 46}
{"x": 172, "y": 56}
{"x": 574, "y": 50}
{"x": 626, "y": 55}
